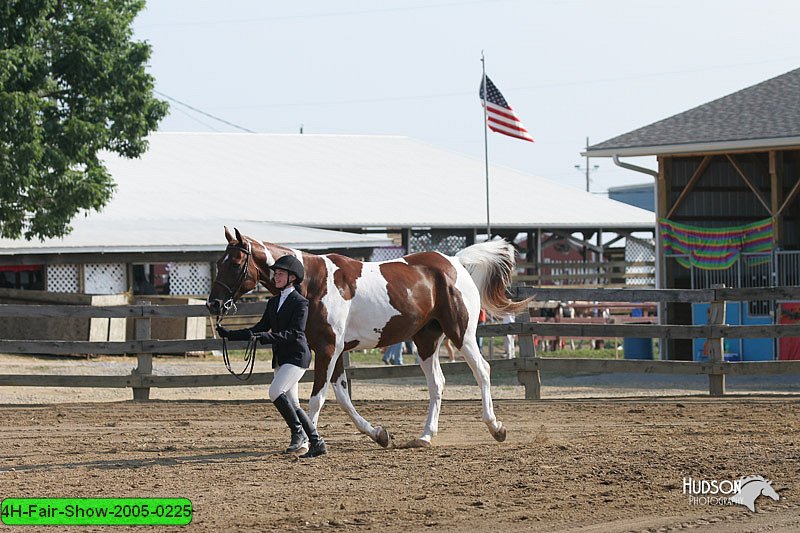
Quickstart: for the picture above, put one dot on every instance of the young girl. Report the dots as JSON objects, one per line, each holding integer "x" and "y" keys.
{"x": 283, "y": 326}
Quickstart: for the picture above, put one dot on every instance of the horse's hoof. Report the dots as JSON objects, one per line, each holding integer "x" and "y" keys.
{"x": 383, "y": 438}
{"x": 500, "y": 434}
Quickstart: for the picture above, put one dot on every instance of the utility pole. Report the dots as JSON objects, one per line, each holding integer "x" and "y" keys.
{"x": 588, "y": 168}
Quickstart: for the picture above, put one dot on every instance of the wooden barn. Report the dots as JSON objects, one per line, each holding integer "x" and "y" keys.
{"x": 726, "y": 195}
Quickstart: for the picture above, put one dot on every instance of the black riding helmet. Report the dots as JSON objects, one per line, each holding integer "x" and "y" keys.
{"x": 291, "y": 264}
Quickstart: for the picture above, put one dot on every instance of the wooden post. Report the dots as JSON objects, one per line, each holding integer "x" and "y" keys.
{"x": 776, "y": 194}
{"x": 144, "y": 360}
{"x": 716, "y": 345}
{"x": 346, "y": 365}
{"x": 662, "y": 203}
{"x": 530, "y": 379}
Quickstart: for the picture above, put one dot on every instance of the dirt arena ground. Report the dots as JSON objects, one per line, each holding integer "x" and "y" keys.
{"x": 579, "y": 464}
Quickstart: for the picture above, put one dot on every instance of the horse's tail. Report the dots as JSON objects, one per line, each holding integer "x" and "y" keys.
{"x": 490, "y": 264}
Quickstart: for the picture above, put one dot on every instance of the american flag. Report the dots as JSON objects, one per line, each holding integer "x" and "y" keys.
{"x": 499, "y": 115}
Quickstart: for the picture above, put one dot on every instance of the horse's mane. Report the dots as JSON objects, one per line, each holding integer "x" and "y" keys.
{"x": 750, "y": 479}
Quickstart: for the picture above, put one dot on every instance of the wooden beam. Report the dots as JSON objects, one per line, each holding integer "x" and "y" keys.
{"x": 698, "y": 173}
{"x": 751, "y": 185}
{"x": 620, "y": 235}
{"x": 656, "y": 295}
{"x": 660, "y": 259}
{"x": 776, "y": 192}
{"x": 121, "y": 311}
{"x": 575, "y": 240}
{"x": 789, "y": 198}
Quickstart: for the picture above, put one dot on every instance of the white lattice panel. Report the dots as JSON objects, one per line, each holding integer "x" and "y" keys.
{"x": 189, "y": 278}
{"x": 637, "y": 251}
{"x": 63, "y": 278}
{"x": 104, "y": 278}
{"x": 387, "y": 253}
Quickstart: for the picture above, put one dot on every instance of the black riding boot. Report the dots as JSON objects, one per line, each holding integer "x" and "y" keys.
{"x": 299, "y": 440}
{"x": 317, "y": 444}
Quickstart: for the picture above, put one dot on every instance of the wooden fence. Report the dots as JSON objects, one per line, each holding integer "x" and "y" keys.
{"x": 528, "y": 367}
{"x": 586, "y": 273}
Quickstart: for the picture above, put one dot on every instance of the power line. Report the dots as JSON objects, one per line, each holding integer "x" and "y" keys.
{"x": 518, "y": 88}
{"x": 209, "y": 115}
{"x": 319, "y": 15}
{"x": 194, "y": 118}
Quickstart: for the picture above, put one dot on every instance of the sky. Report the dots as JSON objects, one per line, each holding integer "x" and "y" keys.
{"x": 571, "y": 69}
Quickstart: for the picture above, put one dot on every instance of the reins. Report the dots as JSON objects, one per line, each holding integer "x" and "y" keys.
{"x": 249, "y": 357}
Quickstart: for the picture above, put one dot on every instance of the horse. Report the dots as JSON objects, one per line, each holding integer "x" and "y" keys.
{"x": 424, "y": 296}
{"x": 751, "y": 487}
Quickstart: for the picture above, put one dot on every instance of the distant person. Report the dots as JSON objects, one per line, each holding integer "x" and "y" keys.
{"x": 393, "y": 355}
{"x": 510, "y": 345}
{"x": 141, "y": 285}
{"x": 481, "y": 321}
{"x": 451, "y": 351}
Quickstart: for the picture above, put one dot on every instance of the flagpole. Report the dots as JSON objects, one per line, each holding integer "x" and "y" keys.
{"x": 486, "y": 147}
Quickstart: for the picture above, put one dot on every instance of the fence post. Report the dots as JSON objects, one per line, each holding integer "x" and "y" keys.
{"x": 716, "y": 345}
{"x": 144, "y": 360}
{"x": 530, "y": 379}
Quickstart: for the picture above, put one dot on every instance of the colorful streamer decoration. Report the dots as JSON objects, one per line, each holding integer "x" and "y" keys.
{"x": 716, "y": 248}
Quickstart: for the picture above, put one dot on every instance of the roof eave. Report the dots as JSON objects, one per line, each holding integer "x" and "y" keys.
{"x": 322, "y": 245}
{"x": 695, "y": 148}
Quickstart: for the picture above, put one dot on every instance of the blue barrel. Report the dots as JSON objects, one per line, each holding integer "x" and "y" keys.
{"x": 635, "y": 348}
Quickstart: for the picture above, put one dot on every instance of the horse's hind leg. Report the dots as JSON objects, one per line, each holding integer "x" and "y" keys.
{"x": 338, "y": 377}
{"x": 481, "y": 371}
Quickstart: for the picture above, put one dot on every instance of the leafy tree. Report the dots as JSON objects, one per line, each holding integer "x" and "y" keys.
{"x": 72, "y": 84}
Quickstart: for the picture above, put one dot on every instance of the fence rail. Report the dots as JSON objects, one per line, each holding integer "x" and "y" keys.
{"x": 528, "y": 367}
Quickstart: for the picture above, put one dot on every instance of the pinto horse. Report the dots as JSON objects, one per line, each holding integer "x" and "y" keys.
{"x": 424, "y": 296}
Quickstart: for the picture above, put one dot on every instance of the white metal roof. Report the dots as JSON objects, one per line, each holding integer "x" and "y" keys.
{"x": 100, "y": 233}
{"x": 339, "y": 181}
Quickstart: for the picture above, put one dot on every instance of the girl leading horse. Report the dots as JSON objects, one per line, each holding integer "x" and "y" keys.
{"x": 425, "y": 296}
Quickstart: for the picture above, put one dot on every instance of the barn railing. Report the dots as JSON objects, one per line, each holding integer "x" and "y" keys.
{"x": 587, "y": 273}
{"x": 528, "y": 367}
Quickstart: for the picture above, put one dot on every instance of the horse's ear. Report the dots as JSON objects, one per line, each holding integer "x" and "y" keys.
{"x": 228, "y": 235}
{"x": 238, "y": 236}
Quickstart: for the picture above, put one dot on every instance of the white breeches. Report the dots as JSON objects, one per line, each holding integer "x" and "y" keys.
{"x": 285, "y": 382}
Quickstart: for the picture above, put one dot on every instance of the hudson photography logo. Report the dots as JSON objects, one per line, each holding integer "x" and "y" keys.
{"x": 743, "y": 491}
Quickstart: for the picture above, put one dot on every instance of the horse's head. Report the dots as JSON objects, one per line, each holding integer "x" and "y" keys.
{"x": 768, "y": 491}
{"x": 236, "y": 275}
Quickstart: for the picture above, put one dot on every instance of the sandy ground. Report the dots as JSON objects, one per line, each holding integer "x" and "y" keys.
{"x": 567, "y": 465}
{"x": 570, "y": 463}
{"x": 504, "y": 386}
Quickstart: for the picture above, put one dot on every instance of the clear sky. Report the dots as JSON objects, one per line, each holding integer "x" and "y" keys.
{"x": 569, "y": 68}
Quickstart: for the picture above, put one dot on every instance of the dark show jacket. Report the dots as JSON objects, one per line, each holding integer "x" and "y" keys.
{"x": 285, "y": 330}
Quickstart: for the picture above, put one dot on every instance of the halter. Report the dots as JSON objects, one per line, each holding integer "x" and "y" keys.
{"x": 227, "y": 305}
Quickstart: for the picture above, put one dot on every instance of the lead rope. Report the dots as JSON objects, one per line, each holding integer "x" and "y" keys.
{"x": 249, "y": 356}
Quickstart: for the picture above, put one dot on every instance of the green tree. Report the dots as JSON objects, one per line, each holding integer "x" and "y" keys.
{"x": 72, "y": 84}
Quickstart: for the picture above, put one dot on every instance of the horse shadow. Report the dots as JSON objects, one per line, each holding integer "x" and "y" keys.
{"x": 126, "y": 464}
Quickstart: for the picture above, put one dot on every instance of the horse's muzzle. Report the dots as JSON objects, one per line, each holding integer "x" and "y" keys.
{"x": 214, "y": 306}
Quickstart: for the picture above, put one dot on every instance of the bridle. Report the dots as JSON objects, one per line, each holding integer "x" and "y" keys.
{"x": 227, "y": 305}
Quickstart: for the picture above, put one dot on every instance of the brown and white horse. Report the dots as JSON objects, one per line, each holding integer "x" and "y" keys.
{"x": 425, "y": 297}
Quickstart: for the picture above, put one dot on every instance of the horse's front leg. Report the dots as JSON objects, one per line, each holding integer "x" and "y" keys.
{"x": 322, "y": 361}
{"x": 338, "y": 376}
